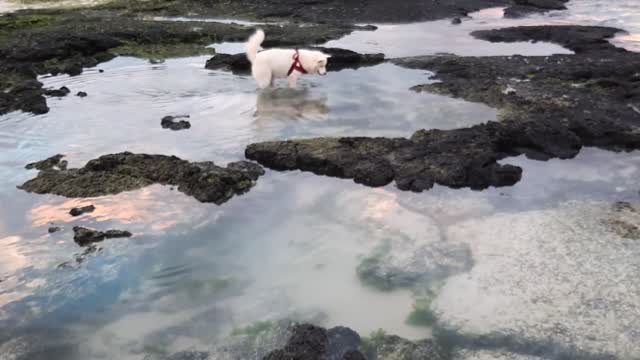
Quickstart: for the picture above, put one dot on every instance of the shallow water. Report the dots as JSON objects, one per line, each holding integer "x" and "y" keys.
{"x": 433, "y": 37}
{"x": 194, "y": 272}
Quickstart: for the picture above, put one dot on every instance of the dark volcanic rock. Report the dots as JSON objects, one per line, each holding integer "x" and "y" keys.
{"x": 47, "y": 164}
{"x": 347, "y": 59}
{"x": 550, "y": 107}
{"x": 84, "y": 236}
{"x": 81, "y": 210}
{"x": 526, "y": 7}
{"x": 580, "y": 39}
{"x": 458, "y": 158}
{"x": 63, "y": 91}
{"x": 53, "y": 229}
{"x": 236, "y": 63}
{"x": 115, "y": 173}
{"x": 26, "y": 96}
{"x": 168, "y": 122}
{"x": 353, "y": 11}
{"x": 81, "y": 94}
{"x": 340, "y": 59}
{"x": 316, "y": 343}
{"x": 368, "y": 27}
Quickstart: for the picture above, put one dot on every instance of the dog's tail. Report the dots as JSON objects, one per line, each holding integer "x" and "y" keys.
{"x": 253, "y": 45}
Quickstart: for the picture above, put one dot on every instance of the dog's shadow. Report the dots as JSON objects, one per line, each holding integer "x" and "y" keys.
{"x": 284, "y": 104}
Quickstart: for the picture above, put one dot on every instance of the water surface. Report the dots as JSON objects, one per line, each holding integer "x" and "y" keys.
{"x": 192, "y": 272}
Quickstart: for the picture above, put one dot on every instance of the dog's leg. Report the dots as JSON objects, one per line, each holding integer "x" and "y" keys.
{"x": 262, "y": 75}
{"x": 292, "y": 79}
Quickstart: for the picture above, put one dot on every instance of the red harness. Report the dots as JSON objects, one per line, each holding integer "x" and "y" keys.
{"x": 296, "y": 66}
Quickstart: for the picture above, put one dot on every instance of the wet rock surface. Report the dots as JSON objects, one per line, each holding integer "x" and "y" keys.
{"x": 313, "y": 342}
{"x": 527, "y": 7}
{"x": 350, "y": 11}
{"x": 81, "y": 94}
{"x": 115, "y": 173}
{"x": 61, "y": 92}
{"x": 458, "y": 158}
{"x": 77, "y": 211}
{"x": 554, "y": 105}
{"x": 340, "y": 59}
{"x": 85, "y": 236}
{"x": 53, "y": 162}
{"x": 168, "y": 122}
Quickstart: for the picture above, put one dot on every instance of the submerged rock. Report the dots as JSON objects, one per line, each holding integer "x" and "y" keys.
{"x": 77, "y": 211}
{"x": 189, "y": 355}
{"x": 407, "y": 263}
{"x": 168, "y": 122}
{"x": 381, "y": 346}
{"x": 469, "y": 354}
{"x": 556, "y": 283}
{"x": 84, "y": 236}
{"x": 340, "y": 59}
{"x": 54, "y": 229}
{"x": 81, "y": 94}
{"x": 115, "y": 173}
{"x": 456, "y": 21}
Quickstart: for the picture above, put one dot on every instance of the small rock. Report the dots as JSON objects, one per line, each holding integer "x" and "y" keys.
{"x": 367, "y": 27}
{"x": 81, "y": 94}
{"x": 48, "y": 164}
{"x": 54, "y": 229}
{"x": 156, "y": 61}
{"x": 456, "y": 21}
{"x": 84, "y": 236}
{"x": 77, "y": 211}
{"x": 168, "y": 122}
{"x": 100, "y": 70}
{"x": 63, "y": 91}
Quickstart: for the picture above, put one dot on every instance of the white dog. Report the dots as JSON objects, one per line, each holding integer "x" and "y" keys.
{"x": 268, "y": 65}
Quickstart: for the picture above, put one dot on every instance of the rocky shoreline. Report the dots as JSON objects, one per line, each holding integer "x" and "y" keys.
{"x": 550, "y": 107}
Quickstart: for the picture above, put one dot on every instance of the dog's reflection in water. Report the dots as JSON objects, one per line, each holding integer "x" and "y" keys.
{"x": 281, "y": 104}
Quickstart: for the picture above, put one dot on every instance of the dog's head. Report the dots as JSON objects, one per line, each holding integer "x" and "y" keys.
{"x": 320, "y": 63}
